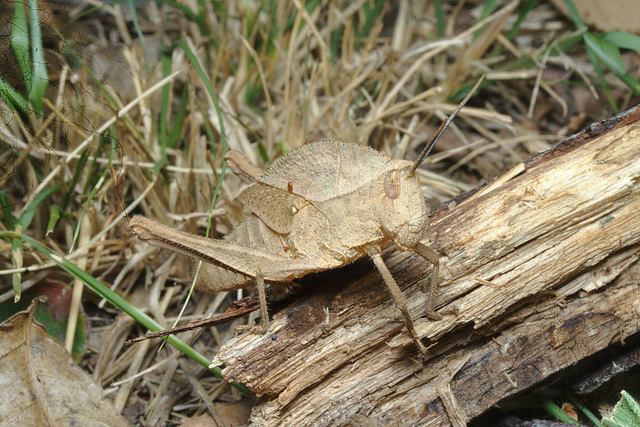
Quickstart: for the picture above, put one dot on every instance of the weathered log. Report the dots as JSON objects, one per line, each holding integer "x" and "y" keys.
{"x": 539, "y": 270}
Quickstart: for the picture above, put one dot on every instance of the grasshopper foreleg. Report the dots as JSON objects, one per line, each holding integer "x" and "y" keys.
{"x": 399, "y": 299}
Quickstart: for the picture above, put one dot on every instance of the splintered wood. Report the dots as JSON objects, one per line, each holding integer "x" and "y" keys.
{"x": 537, "y": 272}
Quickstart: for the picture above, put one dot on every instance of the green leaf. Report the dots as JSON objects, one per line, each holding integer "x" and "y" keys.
{"x": 605, "y": 51}
{"x": 49, "y": 315}
{"x": 57, "y": 328}
{"x": 623, "y": 40}
{"x": 625, "y": 414}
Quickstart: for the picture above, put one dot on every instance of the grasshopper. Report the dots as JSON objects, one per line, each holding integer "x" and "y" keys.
{"x": 322, "y": 206}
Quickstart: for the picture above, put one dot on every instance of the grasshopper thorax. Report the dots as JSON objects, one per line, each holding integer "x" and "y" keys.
{"x": 402, "y": 211}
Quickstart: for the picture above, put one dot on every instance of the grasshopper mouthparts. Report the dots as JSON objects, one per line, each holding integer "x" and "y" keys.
{"x": 140, "y": 227}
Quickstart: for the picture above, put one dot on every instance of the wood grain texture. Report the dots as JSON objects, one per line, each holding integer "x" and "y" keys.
{"x": 540, "y": 265}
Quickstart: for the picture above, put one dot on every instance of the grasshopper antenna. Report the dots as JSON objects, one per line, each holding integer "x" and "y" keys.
{"x": 436, "y": 136}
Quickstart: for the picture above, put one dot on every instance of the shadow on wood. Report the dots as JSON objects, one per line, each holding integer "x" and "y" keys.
{"x": 540, "y": 265}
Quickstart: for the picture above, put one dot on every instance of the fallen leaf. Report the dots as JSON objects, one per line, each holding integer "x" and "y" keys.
{"x": 619, "y": 15}
{"x": 41, "y": 385}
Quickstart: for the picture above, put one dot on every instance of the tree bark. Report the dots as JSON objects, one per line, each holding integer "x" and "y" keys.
{"x": 539, "y": 270}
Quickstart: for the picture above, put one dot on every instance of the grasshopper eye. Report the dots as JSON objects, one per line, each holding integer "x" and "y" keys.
{"x": 392, "y": 184}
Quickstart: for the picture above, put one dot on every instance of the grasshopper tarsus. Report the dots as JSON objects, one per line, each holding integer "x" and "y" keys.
{"x": 248, "y": 329}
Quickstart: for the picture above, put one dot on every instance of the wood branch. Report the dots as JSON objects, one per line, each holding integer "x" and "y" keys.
{"x": 541, "y": 267}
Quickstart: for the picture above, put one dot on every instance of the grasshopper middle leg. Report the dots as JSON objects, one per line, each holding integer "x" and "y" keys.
{"x": 431, "y": 256}
{"x": 264, "y": 313}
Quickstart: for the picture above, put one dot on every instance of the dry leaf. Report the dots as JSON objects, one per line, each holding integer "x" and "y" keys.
{"x": 619, "y": 15}
{"x": 568, "y": 408}
{"x": 41, "y": 384}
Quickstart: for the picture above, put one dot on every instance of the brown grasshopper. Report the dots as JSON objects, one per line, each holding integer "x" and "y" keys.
{"x": 322, "y": 206}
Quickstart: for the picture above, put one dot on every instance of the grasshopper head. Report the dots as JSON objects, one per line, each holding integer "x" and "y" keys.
{"x": 402, "y": 211}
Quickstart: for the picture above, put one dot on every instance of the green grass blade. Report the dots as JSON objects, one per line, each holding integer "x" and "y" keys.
{"x": 372, "y": 14}
{"x": 556, "y": 411}
{"x": 93, "y": 192}
{"x": 523, "y": 11}
{"x": 590, "y": 415}
{"x": 119, "y": 302}
{"x": 165, "y": 60}
{"x": 208, "y": 130}
{"x": 440, "y": 19}
{"x": 489, "y": 7}
{"x": 608, "y": 53}
{"x": 16, "y": 260}
{"x": 40, "y": 75}
{"x": 76, "y": 56}
{"x": 136, "y": 25}
{"x": 262, "y": 150}
{"x": 13, "y": 97}
{"x": 92, "y": 171}
{"x": 573, "y": 13}
{"x": 7, "y": 216}
{"x": 71, "y": 185}
{"x": 184, "y": 9}
{"x": 54, "y": 216}
{"x": 196, "y": 64}
{"x": 605, "y": 86}
{"x": 28, "y": 214}
{"x": 20, "y": 43}
{"x": 178, "y": 120}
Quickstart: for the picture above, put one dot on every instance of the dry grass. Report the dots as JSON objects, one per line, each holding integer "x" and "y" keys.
{"x": 283, "y": 75}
